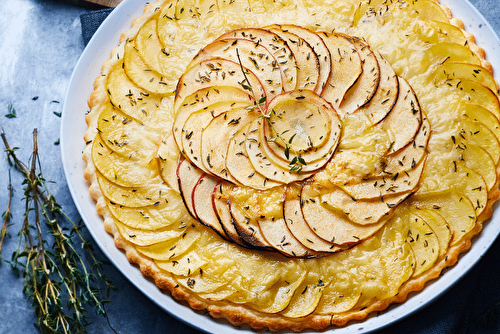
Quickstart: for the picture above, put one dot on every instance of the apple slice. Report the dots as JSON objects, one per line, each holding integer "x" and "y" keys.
{"x": 365, "y": 87}
{"x": 479, "y": 160}
{"x": 423, "y": 242}
{"x": 247, "y": 228}
{"x": 300, "y": 229}
{"x": 120, "y": 169}
{"x": 477, "y": 133}
{"x": 388, "y": 185}
{"x": 168, "y": 249}
{"x": 364, "y": 211}
{"x": 142, "y": 75}
{"x": 438, "y": 225}
{"x": 453, "y": 206}
{"x": 386, "y": 94}
{"x": 451, "y": 52}
{"x": 209, "y": 99}
{"x": 146, "y": 238}
{"x": 188, "y": 176}
{"x": 253, "y": 56}
{"x": 183, "y": 264}
{"x": 436, "y": 32}
{"x": 332, "y": 225}
{"x": 321, "y": 52}
{"x": 221, "y": 206}
{"x": 216, "y": 137}
{"x": 240, "y": 167}
{"x": 308, "y": 68}
{"x": 216, "y": 72}
{"x": 168, "y": 155}
{"x": 193, "y": 128}
{"x": 202, "y": 203}
{"x": 412, "y": 154}
{"x": 346, "y": 67}
{"x": 404, "y": 119}
{"x": 262, "y": 163}
{"x": 284, "y": 59}
{"x": 461, "y": 70}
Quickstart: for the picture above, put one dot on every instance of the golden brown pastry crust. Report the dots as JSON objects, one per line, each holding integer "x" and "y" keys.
{"x": 238, "y": 315}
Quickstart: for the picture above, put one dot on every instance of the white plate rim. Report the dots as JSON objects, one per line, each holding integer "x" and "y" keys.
{"x": 73, "y": 128}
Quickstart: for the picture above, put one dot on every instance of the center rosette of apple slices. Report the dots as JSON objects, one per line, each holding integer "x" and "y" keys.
{"x": 296, "y": 141}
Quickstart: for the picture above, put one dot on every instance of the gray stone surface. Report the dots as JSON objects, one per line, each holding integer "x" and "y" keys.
{"x": 40, "y": 43}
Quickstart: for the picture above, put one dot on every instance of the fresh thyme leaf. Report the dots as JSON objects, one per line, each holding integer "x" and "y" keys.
{"x": 57, "y": 142}
{"x": 58, "y": 114}
{"x": 262, "y": 99}
{"x": 287, "y": 152}
{"x": 291, "y": 138}
{"x": 34, "y": 98}
{"x": 61, "y": 274}
{"x": 11, "y": 111}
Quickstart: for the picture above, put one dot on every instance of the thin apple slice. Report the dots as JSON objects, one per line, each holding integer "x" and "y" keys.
{"x": 461, "y": 70}
{"x": 247, "y": 228}
{"x": 168, "y": 155}
{"x": 202, "y": 203}
{"x": 166, "y": 250}
{"x": 451, "y": 52}
{"x": 321, "y": 53}
{"x": 298, "y": 226}
{"x": 240, "y": 167}
{"x": 438, "y": 225}
{"x": 386, "y": 94}
{"x": 423, "y": 242}
{"x": 284, "y": 59}
{"x": 210, "y": 99}
{"x": 210, "y": 279}
{"x": 253, "y": 56}
{"x": 411, "y": 155}
{"x": 388, "y": 185}
{"x": 453, "y": 206}
{"x": 193, "y": 128}
{"x": 220, "y": 203}
{"x": 142, "y": 75}
{"x": 277, "y": 234}
{"x": 183, "y": 264}
{"x": 122, "y": 170}
{"x": 332, "y": 225}
{"x": 307, "y": 296}
{"x": 216, "y": 72}
{"x": 335, "y": 301}
{"x": 365, "y": 87}
{"x": 216, "y": 137}
{"x": 262, "y": 163}
{"x": 308, "y": 68}
{"x": 404, "y": 119}
{"x": 346, "y": 67}
{"x": 188, "y": 176}
{"x": 364, "y": 211}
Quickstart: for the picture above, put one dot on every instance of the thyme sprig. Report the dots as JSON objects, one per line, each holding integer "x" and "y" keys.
{"x": 6, "y": 216}
{"x": 59, "y": 281}
{"x": 297, "y": 162}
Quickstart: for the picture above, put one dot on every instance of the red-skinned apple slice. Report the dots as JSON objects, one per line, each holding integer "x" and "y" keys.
{"x": 221, "y": 208}
{"x": 346, "y": 67}
{"x": 386, "y": 94}
{"x": 253, "y": 57}
{"x": 321, "y": 52}
{"x": 366, "y": 86}
{"x": 284, "y": 58}
{"x": 332, "y": 225}
{"x": 202, "y": 203}
{"x": 215, "y": 72}
{"x": 247, "y": 228}
{"x": 188, "y": 176}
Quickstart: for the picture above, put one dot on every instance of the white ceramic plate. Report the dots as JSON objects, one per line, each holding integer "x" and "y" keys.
{"x": 72, "y": 144}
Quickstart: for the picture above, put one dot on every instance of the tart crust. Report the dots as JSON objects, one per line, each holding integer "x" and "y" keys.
{"x": 240, "y": 314}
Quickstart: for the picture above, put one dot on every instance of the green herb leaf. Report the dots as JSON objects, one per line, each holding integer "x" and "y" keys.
{"x": 11, "y": 112}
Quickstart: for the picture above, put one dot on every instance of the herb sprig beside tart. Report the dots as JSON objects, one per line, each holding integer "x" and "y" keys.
{"x": 294, "y": 176}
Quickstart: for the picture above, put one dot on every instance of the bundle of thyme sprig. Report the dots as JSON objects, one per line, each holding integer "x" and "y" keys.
{"x": 6, "y": 216}
{"x": 297, "y": 161}
{"x": 61, "y": 283}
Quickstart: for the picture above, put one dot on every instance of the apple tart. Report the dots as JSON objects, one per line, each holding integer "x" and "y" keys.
{"x": 294, "y": 164}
